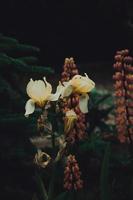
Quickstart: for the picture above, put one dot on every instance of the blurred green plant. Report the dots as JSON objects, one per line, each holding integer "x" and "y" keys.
{"x": 100, "y": 107}
{"x": 18, "y": 63}
{"x": 104, "y": 178}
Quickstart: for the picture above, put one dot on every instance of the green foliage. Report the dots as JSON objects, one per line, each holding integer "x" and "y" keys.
{"x": 22, "y": 65}
{"x": 100, "y": 106}
{"x": 104, "y": 180}
{"x": 41, "y": 187}
{"x": 17, "y": 62}
{"x": 63, "y": 196}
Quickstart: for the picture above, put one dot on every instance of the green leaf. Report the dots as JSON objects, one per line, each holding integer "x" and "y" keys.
{"x": 54, "y": 177}
{"x": 52, "y": 183}
{"x": 26, "y": 48}
{"x": 28, "y": 59}
{"x": 131, "y": 189}
{"x": 35, "y": 197}
{"x": 104, "y": 179}
{"x": 19, "y": 65}
{"x": 62, "y": 196}
{"x": 18, "y": 48}
{"x": 41, "y": 187}
{"x": 7, "y": 40}
{"x": 41, "y": 69}
{"x": 104, "y": 98}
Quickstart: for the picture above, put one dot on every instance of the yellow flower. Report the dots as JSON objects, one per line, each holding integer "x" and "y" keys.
{"x": 80, "y": 85}
{"x": 39, "y": 92}
{"x": 70, "y": 119}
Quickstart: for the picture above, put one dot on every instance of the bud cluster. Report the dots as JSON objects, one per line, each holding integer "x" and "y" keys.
{"x": 123, "y": 86}
{"x": 72, "y": 102}
{"x": 72, "y": 174}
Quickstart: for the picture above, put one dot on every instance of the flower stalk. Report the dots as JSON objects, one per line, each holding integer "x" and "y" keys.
{"x": 72, "y": 174}
{"x": 123, "y": 86}
{"x": 78, "y": 129}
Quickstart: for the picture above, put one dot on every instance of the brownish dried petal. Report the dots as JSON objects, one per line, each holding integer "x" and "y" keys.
{"x": 128, "y": 59}
{"x": 129, "y": 78}
{"x": 130, "y": 87}
{"x": 118, "y": 76}
{"x": 130, "y": 111}
{"x": 120, "y": 102}
{"x": 131, "y": 131}
{"x": 118, "y": 58}
{"x": 130, "y": 120}
{"x": 118, "y": 66}
{"x": 128, "y": 68}
{"x": 118, "y": 85}
{"x": 74, "y": 72}
{"x": 120, "y": 110}
{"x": 119, "y": 93}
{"x": 72, "y": 180}
{"x": 129, "y": 95}
{"x": 130, "y": 104}
{"x": 122, "y": 138}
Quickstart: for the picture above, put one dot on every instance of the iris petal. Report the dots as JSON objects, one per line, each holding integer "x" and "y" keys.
{"x": 67, "y": 90}
{"x": 55, "y": 97}
{"x": 29, "y": 107}
{"x": 83, "y": 103}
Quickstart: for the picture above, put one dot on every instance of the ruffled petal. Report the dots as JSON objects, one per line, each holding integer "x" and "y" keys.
{"x": 29, "y": 86}
{"x": 29, "y": 107}
{"x": 55, "y": 97}
{"x": 82, "y": 84}
{"x": 83, "y": 103}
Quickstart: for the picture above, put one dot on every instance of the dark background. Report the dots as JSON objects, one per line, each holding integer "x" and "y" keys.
{"x": 87, "y": 30}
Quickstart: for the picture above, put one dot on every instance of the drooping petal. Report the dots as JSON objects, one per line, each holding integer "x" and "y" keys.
{"x": 67, "y": 90}
{"x": 71, "y": 113}
{"x": 29, "y": 107}
{"x": 83, "y": 103}
{"x": 55, "y": 97}
{"x": 70, "y": 119}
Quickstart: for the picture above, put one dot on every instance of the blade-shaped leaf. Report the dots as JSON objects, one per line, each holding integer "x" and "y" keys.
{"x": 62, "y": 196}
{"x": 104, "y": 180}
{"x": 41, "y": 187}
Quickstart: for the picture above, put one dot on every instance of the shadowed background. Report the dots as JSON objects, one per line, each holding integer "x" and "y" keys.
{"x": 87, "y": 30}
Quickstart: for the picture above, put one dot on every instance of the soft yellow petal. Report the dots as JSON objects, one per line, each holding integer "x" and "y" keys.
{"x": 70, "y": 119}
{"x": 55, "y": 97}
{"x": 83, "y": 103}
{"x": 67, "y": 90}
{"x": 82, "y": 84}
{"x": 39, "y": 90}
{"x": 29, "y": 107}
{"x": 36, "y": 90}
{"x": 71, "y": 113}
{"x": 29, "y": 86}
